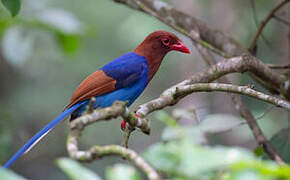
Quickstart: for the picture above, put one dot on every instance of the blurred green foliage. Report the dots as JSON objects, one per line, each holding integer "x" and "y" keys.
{"x": 51, "y": 45}
{"x": 76, "y": 171}
{"x": 122, "y": 172}
{"x": 185, "y": 159}
{"x": 12, "y": 5}
{"x": 281, "y": 140}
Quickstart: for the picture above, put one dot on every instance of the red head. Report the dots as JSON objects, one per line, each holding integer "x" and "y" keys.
{"x": 156, "y": 45}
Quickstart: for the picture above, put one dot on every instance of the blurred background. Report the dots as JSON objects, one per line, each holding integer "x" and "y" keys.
{"x": 52, "y": 45}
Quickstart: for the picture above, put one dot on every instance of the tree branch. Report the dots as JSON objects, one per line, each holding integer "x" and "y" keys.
{"x": 97, "y": 152}
{"x": 244, "y": 90}
{"x": 276, "y": 66}
{"x": 172, "y": 95}
{"x": 264, "y": 23}
{"x": 117, "y": 109}
{"x": 237, "y": 64}
{"x": 253, "y": 6}
{"x": 126, "y": 136}
{"x": 287, "y": 23}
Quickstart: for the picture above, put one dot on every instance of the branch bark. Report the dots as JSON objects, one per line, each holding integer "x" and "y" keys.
{"x": 172, "y": 95}
{"x": 237, "y": 64}
{"x": 97, "y": 152}
{"x": 114, "y": 111}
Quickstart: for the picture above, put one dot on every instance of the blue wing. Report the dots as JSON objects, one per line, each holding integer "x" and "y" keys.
{"x": 131, "y": 73}
{"x": 127, "y": 69}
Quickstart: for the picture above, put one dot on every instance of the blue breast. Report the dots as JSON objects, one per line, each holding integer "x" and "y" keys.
{"x": 132, "y": 76}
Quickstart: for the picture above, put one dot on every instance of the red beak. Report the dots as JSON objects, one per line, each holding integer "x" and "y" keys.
{"x": 179, "y": 46}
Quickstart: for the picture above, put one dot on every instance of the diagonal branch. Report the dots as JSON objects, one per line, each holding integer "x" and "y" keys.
{"x": 253, "y": 6}
{"x": 264, "y": 23}
{"x": 282, "y": 20}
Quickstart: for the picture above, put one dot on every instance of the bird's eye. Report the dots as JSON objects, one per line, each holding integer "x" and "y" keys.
{"x": 165, "y": 41}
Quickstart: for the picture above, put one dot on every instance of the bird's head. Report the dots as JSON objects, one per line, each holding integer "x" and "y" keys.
{"x": 161, "y": 42}
{"x": 156, "y": 45}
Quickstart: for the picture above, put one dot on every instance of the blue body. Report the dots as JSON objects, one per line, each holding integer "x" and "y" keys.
{"x": 131, "y": 73}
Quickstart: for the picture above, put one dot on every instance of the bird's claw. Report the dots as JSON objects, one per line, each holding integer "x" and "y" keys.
{"x": 124, "y": 123}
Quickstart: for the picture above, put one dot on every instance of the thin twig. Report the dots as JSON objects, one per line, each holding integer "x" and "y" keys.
{"x": 281, "y": 20}
{"x": 256, "y": 23}
{"x": 276, "y": 66}
{"x": 265, "y": 112}
{"x": 126, "y": 136}
{"x": 264, "y": 23}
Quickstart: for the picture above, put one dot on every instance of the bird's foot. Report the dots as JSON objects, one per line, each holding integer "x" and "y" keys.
{"x": 124, "y": 123}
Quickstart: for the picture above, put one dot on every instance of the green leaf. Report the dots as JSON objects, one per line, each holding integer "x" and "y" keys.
{"x": 75, "y": 170}
{"x": 246, "y": 175}
{"x": 12, "y": 5}
{"x": 211, "y": 124}
{"x": 268, "y": 169}
{"x": 7, "y": 174}
{"x": 4, "y": 24}
{"x": 168, "y": 120}
{"x": 69, "y": 43}
{"x": 281, "y": 142}
{"x": 122, "y": 172}
{"x": 259, "y": 151}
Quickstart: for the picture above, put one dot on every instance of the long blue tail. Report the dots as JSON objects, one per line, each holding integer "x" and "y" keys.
{"x": 41, "y": 134}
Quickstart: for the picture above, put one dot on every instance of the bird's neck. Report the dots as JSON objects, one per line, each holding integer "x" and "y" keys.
{"x": 153, "y": 57}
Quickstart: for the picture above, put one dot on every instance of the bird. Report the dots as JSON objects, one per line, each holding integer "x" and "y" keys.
{"x": 123, "y": 79}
